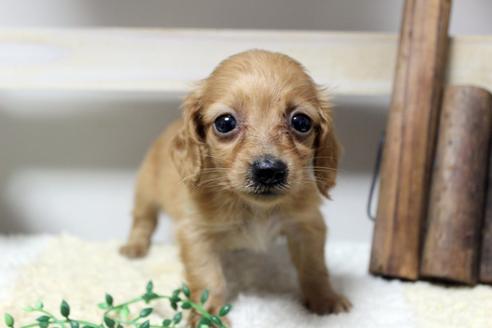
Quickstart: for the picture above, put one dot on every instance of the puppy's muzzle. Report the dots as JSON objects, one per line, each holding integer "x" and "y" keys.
{"x": 269, "y": 172}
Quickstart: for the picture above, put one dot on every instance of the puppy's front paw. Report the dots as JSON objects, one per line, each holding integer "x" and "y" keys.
{"x": 327, "y": 304}
{"x": 134, "y": 250}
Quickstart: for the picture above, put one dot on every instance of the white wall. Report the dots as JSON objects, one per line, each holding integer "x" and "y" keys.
{"x": 68, "y": 159}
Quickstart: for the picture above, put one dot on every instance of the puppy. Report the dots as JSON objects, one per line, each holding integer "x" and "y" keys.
{"x": 249, "y": 161}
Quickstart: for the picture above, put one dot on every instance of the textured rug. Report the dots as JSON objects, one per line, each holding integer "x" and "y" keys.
{"x": 263, "y": 288}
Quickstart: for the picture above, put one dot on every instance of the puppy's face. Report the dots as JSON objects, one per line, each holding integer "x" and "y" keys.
{"x": 258, "y": 126}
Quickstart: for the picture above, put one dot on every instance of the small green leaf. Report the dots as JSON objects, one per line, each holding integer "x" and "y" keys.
{"x": 166, "y": 323}
{"x": 29, "y": 309}
{"x": 43, "y": 318}
{"x": 225, "y": 310}
{"x": 103, "y": 306}
{"x": 147, "y": 297}
{"x": 186, "y": 305}
{"x": 174, "y": 305}
{"x": 204, "y": 322}
{"x": 74, "y": 324}
{"x": 44, "y": 324}
{"x": 177, "y": 317}
{"x": 216, "y": 320}
{"x": 204, "y": 296}
{"x": 39, "y": 305}
{"x": 145, "y": 324}
{"x": 186, "y": 290}
{"x": 150, "y": 287}
{"x": 109, "y": 300}
{"x": 125, "y": 312}
{"x": 109, "y": 322}
{"x": 65, "y": 309}
{"x": 145, "y": 312}
{"x": 175, "y": 299}
{"x": 9, "y": 320}
{"x": 120, "y": 325}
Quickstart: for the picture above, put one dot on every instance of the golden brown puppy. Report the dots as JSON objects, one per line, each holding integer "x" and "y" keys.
{"x": 250, "y": 159}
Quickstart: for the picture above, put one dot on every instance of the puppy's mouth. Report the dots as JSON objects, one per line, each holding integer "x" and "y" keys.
{"x": 260, "y": 191}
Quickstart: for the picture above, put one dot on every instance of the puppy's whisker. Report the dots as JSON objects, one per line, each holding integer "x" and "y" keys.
{"x": 215, "y": 170}
{"x": 212, "y": 156}
{"x": 213, "y": 182}
{"x": 319, "y": 168}
{"x": 331, "y": 167}
{"x": 205, "y": 182}
{"x": 324, "y": 170}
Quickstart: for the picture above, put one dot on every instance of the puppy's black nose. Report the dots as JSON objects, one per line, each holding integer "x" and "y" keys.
{"x": 269, "y": 171}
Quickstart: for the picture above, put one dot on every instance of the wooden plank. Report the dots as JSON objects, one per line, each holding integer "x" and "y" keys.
{"x": 451, "y": 247}
{"x": 410, "y": 132}
{"x": 485, "y": 268}
{"x": 169, "y": 60}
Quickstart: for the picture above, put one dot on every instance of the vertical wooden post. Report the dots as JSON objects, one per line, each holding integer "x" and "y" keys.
{"x": 485, "y": 273}
{"x": 410, "y": 135}
{"x": 451, "y": 246}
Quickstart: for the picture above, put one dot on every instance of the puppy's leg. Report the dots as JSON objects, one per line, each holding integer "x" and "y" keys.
{"x": 203, "y": 270}
{"x": 306, "y": 242}
{"x": 145, "y": 215}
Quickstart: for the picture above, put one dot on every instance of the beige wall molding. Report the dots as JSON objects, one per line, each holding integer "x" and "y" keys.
{"x": 169, "y": 60}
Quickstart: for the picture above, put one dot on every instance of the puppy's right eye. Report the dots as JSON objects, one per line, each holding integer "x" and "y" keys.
{"x": 301, "y": 123}
{"x": 225, "y": 124}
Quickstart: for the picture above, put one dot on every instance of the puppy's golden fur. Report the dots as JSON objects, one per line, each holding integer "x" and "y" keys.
{"x": 200, "y": 178}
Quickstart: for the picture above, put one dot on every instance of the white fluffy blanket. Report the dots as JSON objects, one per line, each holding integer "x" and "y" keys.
{"x": 263, "y": 288}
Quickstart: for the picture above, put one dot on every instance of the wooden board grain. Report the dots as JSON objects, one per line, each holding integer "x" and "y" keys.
{"x": 452, "y": 243}
{"x": 170, "y": 60}
{"x": 410, "y": 134}
{"x": 485, "y": 268}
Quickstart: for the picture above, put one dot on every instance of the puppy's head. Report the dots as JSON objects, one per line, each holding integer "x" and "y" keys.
{"x": 260, "y": 127}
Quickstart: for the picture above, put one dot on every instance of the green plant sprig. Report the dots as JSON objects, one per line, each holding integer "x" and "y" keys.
{"x": 119, "y": 316}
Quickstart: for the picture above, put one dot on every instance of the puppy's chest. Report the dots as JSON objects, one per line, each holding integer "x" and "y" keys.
{"x": 254, "y": 233}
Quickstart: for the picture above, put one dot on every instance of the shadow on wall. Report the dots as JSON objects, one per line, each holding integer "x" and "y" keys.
{"x": 355, "y": 15}
{"x": 359, "y": 123}
{"x": 76, "y": 131}
{"x": 349, "y": 15}
{"x": 101, "y": 132}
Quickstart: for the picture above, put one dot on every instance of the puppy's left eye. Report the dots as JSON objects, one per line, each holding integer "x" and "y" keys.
{"x": 301, "y": 123}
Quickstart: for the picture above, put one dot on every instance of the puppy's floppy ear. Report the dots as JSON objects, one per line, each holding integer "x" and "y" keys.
{"x": 327, "y": 149}
{"x": 188, "y": 145}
